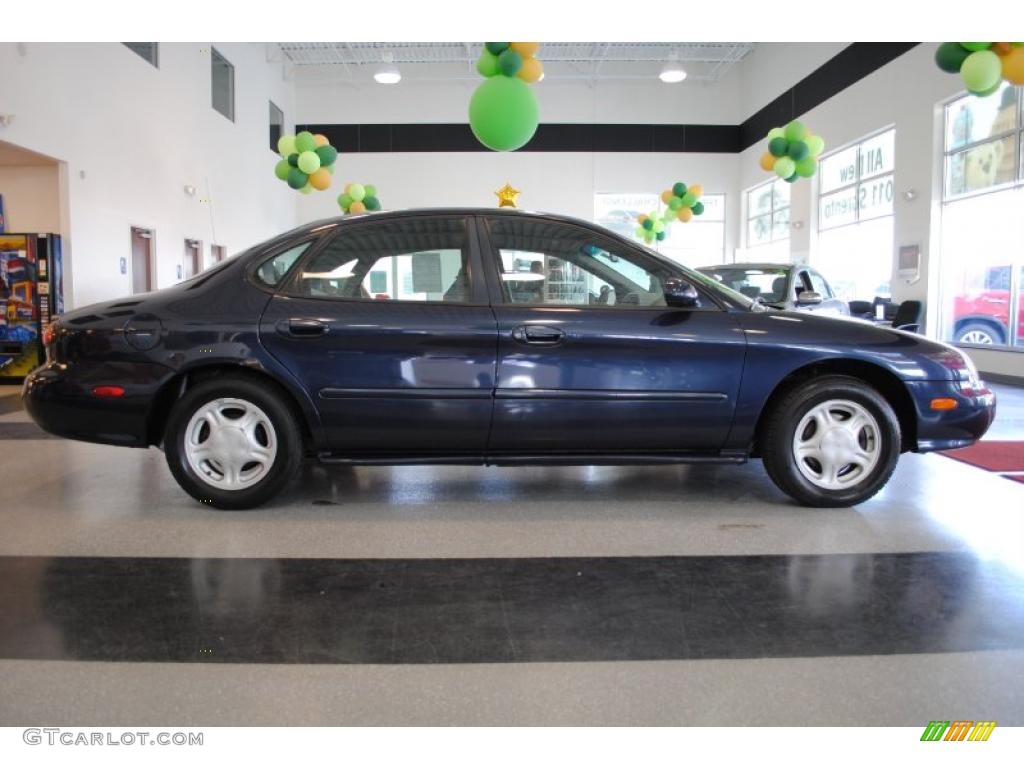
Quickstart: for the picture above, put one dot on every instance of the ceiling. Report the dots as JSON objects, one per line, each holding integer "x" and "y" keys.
{"x": 12, "y": 155}
{"x": 703, "y": 62}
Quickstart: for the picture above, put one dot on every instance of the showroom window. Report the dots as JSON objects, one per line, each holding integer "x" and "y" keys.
{"x": 982, "y": 245}
{"x": 696, "y": 243}
{"x": 222, "y": 84}
{"x": 548, "y": 263}
{"x": 149, "y": 51}
{"x": 855, "y": 217}
{"x": 276, "y": 125}
{"x": 768, "y": 221}
{"x": 414, "y": 260}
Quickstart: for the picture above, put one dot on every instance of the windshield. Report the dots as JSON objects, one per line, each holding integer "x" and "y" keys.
{"x": 766, "y": 284}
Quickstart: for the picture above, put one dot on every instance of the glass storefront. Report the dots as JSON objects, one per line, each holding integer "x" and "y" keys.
{"x": 768, "y": 222}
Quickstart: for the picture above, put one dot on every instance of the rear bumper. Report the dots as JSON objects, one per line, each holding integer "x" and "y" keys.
{"x": 64, "y": 405}
{"x": 956, "y": 428}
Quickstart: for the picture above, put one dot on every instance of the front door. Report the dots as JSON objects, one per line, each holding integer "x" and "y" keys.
{"x": 591, "y": 359}
{"x": 388, "y": 328}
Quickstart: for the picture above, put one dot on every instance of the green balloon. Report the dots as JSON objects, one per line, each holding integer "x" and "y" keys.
{"x": 806, "y": 167}
{"x": 306, "y": 190}
{"x": 309, "y": 162}
{"x": 371, "y": 203}
{"x": 503, "y": 113}
{"x": 286, "y": 145}
{"x": 344, "y": 200}
{"x": 698, "y": 208}
{"x": 795, "y": 131}
{"x": 330, "y": 168}
{"x": 990, "y": 91}
{"x": 981, "y": 71}
{"x": 496, "y": 49}
{"x": 778, "y": 147}
{"x": 689, "y": 199}
{"x": 776, "y": 133}
{"x": 659, "y": 226}
{"x": 304, "y": 142}
{"x": 510, "y": 62}
{"x": 641, "y": 232}
{"x": 675, "y": 203}
{"x": 648, "y": 223}
{"x": 798, "y": 150}
{"x": 784, "y": 167}
{"x": 357, "y": 192}
{"x": 678, "y": 189}
{"x": 327, "y": 154}
{"x": 487, "y": 64}
{"x": 791, "y": 179}
{"x": 371, "y": 191}
{"x": 281, "y": 170}
{"x": 976, "y": 46}
{"x": 661, "y": 236}
{"x": 293, "y": 159}
{"x": 815, "y": 145}
{"x": 297, "y": 179}
{"x": 950, "y": 57}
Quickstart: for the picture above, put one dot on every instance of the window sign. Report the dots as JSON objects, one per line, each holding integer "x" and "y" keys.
{"x": 857, "y": 182}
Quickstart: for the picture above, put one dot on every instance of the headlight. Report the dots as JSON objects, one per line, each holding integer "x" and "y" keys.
{"x": 964, "y": 371}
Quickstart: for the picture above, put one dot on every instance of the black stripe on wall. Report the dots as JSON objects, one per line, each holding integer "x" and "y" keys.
{"x": 852, "y": 64}
{"x": 423, "y": 611}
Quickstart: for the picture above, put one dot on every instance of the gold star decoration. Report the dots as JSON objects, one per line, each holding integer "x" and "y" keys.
{"x": 507, "y": 196}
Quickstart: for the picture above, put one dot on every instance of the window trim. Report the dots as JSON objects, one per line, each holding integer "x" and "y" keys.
{"x": 273, "y": 144}
{"x": 155, "y": 61}
{"x": 500, "y": 297}
{"x": 858, "y": 180}
{"x": 214, "y": 55}
{"x": 770, "y": 214}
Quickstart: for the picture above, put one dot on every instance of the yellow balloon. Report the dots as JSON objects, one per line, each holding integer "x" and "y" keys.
{"x": 321, "y": 140}
{"x": 320, "y": 179}
{"x": 642, "y": 218}
{"x": 530, "y": 71}
{"x": 696, "y": 189}
{"x": 526, "y": 50}
{"x": 685, "y": 214}
{"x": 1013, "y": 66}
{"x": 1002, "y": 48}
{"x": 666, "y": 196}
{"x": 357, "y": 207}
{"x": 767, "y": 161}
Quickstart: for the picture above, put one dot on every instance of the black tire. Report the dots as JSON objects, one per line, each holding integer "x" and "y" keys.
{"x": 264, "y": 395}
{"x": 980, "y": 331}
{"x": 779, "y": 430}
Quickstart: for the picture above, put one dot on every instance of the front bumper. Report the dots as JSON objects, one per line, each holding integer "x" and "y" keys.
{"x": 956, "y": 428}
{"x": 63, "y": 404}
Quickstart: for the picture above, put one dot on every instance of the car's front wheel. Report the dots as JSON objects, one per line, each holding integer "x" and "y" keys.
{"x": 831, "y": 442}
{"x": 978, "y": 333}
{"x": 232, "y": 442}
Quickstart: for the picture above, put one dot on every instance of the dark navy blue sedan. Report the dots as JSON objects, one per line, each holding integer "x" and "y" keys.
{"x": 468, "y": 336}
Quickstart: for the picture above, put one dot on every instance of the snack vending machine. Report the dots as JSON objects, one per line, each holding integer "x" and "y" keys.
{"x": 31, "y": 297}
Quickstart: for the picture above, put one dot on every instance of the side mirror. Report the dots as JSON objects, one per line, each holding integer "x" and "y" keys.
{"x": 679, "y": 293}
{"x": 808, "y": 298}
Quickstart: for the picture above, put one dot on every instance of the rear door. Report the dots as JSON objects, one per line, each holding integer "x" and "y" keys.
{"x": 590, "y": 357}
{"x": 388, "y": 328}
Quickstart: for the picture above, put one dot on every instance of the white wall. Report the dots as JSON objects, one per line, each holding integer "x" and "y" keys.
{"x": 133, "y": 136}
{"x": 31, "y": 198}
{"x": 772, "y": 68}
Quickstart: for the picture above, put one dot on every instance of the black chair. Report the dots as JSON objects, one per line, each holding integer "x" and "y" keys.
{"x": 908, "y": 316}
{"x": 889, "y": 309}
{"x": 865, "y": 310}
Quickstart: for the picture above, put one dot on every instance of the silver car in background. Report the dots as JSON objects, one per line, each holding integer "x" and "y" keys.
{"x": 783, "y": 286}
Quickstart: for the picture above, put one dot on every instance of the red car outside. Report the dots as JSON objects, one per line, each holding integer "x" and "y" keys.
{"x": 983, "y": 317}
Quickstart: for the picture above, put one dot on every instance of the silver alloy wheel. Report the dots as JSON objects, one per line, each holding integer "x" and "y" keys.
{"x": 230, "y": 443}
{"x": 977, "y": 336}
{"x": 837, "y": 444}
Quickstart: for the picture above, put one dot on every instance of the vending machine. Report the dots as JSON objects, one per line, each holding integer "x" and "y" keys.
{"x": 31, "y": 296}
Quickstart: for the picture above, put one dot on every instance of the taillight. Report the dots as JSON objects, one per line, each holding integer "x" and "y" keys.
{"x": 108, "y": 390}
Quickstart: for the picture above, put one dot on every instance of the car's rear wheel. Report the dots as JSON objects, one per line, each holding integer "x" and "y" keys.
{"x": 831, "y": 442}
{"x": 232, "y": 442}
{"x": 978, "y": 333}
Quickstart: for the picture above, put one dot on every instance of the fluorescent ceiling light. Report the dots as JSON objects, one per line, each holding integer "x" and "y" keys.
{"x": 672, "y": 72}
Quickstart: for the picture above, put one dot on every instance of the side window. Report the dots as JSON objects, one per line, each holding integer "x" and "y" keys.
{"x": 802, "y": 282}
{"x": 550, "y": 263}
{"x": 272, "y": 271}
{"x": 819, "y": 285}
{"x": 405, "y": 260}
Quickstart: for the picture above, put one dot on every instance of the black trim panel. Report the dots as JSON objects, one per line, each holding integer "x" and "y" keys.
{"x": 605, "y": 394}
{"x": 410, "y": 393}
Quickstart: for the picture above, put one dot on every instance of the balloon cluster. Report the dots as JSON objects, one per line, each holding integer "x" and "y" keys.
{"x": 503, "y": 111}
{"x": 359, "y": 198}
{"x": 683, "y": 202}
{"x": 792, "y": 152}
{"x": 307, "y": 161}
{"x": 652, "y": 226}
{"x": 983, "y": 66}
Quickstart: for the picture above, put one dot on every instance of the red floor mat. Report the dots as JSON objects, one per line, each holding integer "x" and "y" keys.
{"x": 993, "y": 455}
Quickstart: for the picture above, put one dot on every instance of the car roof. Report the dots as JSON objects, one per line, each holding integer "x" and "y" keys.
{"x": 753, "y": 265}
{"x": 458, "y": 211}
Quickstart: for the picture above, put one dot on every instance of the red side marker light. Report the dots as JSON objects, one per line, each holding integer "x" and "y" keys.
{"x": 108, "y": 390}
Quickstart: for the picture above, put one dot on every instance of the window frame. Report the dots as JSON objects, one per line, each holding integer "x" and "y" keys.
{"x": 857, "y": 181}
{"x": 770, "y": 213}
{"x": 154, "y": 61}
{"x": 477, "y": 294}
{"x": 214, "y": 56}
{"x": 270, "y": 117}
{"x": 500, "y": 296}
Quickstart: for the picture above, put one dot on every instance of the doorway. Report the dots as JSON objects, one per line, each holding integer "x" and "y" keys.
{"x": 193, "y": 258}
{"x": 142, "y": 260}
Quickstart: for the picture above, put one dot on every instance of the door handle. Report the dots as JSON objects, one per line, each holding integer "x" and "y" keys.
{"x": 302, "y": 327}
{"x": 538, "y": 334}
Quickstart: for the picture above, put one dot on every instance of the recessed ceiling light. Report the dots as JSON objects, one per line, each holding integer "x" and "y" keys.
{"x": 672, "y": 72}
{"x": 388, "y": 74}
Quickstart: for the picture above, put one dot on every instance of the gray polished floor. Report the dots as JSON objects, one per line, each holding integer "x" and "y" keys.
{"x": 64, "y": 499}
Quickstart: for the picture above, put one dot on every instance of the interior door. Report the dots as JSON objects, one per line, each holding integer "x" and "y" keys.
{"x": 388, "y": 328}
{"x": 591, "y": 359}
{"x": 142, "y": 276}
{"x": 193, "y": 258}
